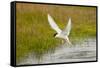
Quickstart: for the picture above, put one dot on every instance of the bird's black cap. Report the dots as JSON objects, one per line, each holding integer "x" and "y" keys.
{"x": 55, "y": 34}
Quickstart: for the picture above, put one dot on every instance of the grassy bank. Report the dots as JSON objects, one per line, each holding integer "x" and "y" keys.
{"x": 34, "y": 34}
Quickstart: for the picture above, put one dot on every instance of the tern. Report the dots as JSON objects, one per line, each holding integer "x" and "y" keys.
{"x": 63, "y": 34}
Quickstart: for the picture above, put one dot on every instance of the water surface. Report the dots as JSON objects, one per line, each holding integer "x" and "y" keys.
{"x": 83, "y": 51}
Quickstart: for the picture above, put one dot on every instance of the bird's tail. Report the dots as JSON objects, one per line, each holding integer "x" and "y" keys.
{"x": 68, "y": 41}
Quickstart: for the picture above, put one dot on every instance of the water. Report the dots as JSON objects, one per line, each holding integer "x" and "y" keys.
{"x": 84, "y": 51}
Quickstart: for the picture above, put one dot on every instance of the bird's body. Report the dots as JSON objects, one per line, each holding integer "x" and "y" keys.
{"x": 64, "y": 38}
{"x": 63, "y": 34}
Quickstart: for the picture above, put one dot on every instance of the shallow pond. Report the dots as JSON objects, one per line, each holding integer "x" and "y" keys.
{"x": 84, "y": 51}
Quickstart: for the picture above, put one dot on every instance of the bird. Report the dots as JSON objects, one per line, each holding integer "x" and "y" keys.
{"x": 62, "y": 34}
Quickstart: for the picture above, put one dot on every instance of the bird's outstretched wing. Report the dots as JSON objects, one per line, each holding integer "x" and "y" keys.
{"x": 53, "y": 24}
{"x": 67, "y": 29}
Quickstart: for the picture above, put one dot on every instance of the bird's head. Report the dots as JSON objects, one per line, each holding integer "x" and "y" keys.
{"x": 55, "y": 35}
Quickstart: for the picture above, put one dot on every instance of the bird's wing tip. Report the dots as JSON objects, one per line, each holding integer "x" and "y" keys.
{"x": 48, "y": 14}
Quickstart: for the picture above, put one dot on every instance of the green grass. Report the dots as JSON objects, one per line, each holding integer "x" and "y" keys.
{"x": 34, "y": 34}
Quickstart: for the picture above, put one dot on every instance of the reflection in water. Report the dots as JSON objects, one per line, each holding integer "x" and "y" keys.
{"x": 84, "y": 51}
